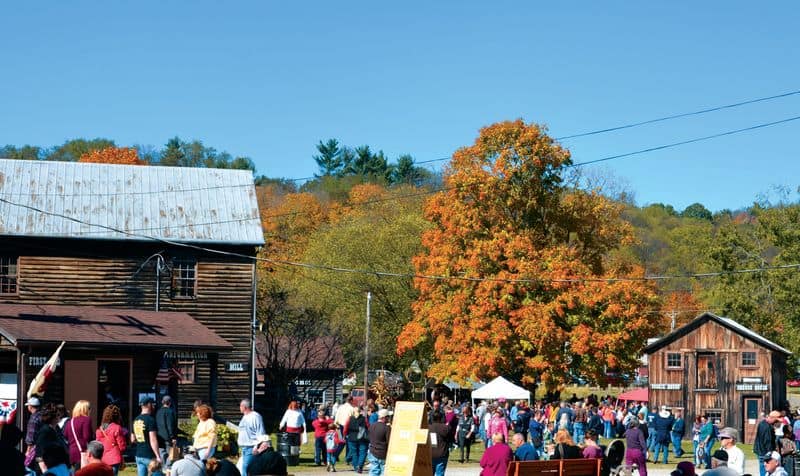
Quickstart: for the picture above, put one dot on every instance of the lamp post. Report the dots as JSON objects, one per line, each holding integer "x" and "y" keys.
{"x": 366, "y": 351}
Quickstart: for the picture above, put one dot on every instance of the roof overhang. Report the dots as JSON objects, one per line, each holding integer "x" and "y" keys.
{"x": 103, "y": 327}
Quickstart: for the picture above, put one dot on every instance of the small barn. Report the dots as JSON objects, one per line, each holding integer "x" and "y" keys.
{"x": 718, "y": 367}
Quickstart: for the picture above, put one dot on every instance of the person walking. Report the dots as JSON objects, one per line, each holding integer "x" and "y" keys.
{"x": 636, "y": 450}
{"x": 293, "y": 420}
{"x": 49, "y": 435}
{"x": 379, "y": 433}
{"x": 787, "y": 449}
{"x": 357, "y": 439}
{"x": 167, "y": 428}
{"x": 662, "y": 428}
{"x": 78, "y": 430}
{"x": 320, "y": 425}
{"x": 466, "y": 433}
{"x": 110, "y": 434}
{"x": 441, "y": 438}
{"x": 678, "y": 429}
{"x": 251, "y": 427}
{"x": 145, "y": 436}
{"x": 34, "y": 424}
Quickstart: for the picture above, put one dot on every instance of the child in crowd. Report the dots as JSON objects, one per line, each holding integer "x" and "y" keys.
{"x": 332, "y": 444}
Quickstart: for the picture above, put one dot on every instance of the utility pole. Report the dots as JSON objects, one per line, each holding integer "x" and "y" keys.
{"x": 673, "y": 314}
{"x": 366, "y": 351}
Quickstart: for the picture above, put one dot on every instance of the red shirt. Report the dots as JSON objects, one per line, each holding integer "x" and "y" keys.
{"x": 321, "y": 427}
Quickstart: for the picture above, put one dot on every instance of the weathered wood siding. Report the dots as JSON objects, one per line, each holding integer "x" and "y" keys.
{"x": 712, "y": 343}
{"x": 99, "y": 273}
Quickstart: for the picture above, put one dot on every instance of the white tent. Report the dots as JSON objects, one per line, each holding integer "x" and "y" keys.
{"x": 501, "y": 388}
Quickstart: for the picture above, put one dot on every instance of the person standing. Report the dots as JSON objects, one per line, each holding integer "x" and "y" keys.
{"x": 48, "y": 436}
{"x": 787, "y": 449}
{"x": 78, "y": 431}
{"x": 378, "y": 443}
{"x": 34, "y": 423}
{"x": 440, "y": 448}
{"x": 251, "y": 428}
{"x": 145, "y": 436}
{"x": 167, "y": 428}
{"x": 662, "y": 428}
{"x": 320, "y": 425}
{"x": 727, "y": 439}
{"x": 579, "y": 425}
{"x": 523, "y": 451}
{"x": 764, "y": 443}
{"x": 205, "y": 435}
{"x": 111, "y": 435}
{"x": 678, "y": 429}
{"x": 466, "y": 432}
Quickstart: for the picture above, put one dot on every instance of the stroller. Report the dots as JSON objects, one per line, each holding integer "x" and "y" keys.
{"x": 614, "y": 462}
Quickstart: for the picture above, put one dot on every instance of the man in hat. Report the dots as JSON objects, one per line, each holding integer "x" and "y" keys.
{"x": 719, "y": 465}
{"x": 727, "y": 438}
{"x": 662, "y": 426}
{"x": 765, "y": 439}
{"x": 772, "y": 464}
{"x": 378, "y": 443}
{"x": 34, "y": 423}
{"x": 145, "y": 435}
{"x": 265, "y": 460}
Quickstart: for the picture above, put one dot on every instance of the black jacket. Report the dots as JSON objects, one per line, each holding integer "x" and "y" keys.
{"x": 765, "y": 439}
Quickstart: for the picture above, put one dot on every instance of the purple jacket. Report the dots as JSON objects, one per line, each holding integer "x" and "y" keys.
{"x": 83, "y": 431}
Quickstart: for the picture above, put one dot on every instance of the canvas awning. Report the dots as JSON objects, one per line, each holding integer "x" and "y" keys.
{"x": 501, "y": 388}
{"x": 91, "y": 326}
{"x": 635, "y": 395}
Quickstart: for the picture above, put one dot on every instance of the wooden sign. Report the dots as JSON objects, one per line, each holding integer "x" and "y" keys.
{"x": 409, "y": 452}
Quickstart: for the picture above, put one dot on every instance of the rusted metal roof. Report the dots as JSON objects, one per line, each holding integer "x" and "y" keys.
{"x": 24, "y": 324}
{"x": 93, "y": 201}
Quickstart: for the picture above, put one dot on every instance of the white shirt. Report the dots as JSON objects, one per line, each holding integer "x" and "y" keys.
{"x": 292, "y": 418}
{"x": 343, "y": 414}
{"x": 735, "y": 459}
{"x": 251, "y": 426}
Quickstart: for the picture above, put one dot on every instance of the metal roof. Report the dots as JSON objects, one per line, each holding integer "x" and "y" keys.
{"x": 93, "y": 201}
{"x": 723, "y": 321}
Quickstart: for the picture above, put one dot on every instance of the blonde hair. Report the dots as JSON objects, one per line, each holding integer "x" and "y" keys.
{"x": 562, "y": 437}
{"x": 81, "y": 408}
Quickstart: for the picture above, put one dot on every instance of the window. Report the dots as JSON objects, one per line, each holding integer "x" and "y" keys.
{"x": 706, "y": 371}
{"x": 8, "y": 274}
{"x": 187, "y": 371}
{"x": 674, "y": 360}
{"x": 714, "y": 415}
{"x": 184, "y": 277}
{"x": 748, "y": 359}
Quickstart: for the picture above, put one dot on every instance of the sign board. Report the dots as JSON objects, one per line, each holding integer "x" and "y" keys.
{"x": 236, "y": 367}
{"x": 665, "y": 386}
{"x": 752, "y": 379}
{"x": 750, "y": 387}
{"x": 409, "y": 452}
{"x": 40, "y": 360}
{"x": 186, "y": 355}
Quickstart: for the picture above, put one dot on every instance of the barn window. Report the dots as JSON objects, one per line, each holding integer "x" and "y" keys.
{"x": 674, "y": 360}
{"x": 714, "y": 415}
{"x": 8, "y": 274}
{"x": 748, "y": 359}
{"x": 184, "y": 277}
{"x": 187, "y": 371}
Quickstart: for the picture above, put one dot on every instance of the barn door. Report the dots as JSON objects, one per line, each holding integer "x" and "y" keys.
{"x": 750, "y": 407}
{"x": 80, "y": 383}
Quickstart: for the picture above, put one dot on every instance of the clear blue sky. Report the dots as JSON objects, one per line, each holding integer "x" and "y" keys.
{"x": 270, "y": 79}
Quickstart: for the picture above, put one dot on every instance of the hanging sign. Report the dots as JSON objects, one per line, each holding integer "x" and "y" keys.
{"x": 665, "y": 386}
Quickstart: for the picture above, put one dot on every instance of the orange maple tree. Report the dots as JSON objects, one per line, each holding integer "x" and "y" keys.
{"x": 113, "y": 155}
{"x": 525, "y": 259}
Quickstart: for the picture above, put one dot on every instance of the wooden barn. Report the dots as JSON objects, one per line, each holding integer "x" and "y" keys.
{"x": 715, "y": 366}
{"x": 145, "y": 272}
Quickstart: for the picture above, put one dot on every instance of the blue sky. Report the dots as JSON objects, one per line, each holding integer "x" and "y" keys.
{"x": 270, "y": 79}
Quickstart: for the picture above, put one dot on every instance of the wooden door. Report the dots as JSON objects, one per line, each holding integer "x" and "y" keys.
{"x": 80, "y": 383}
{"x": 751, "y": 406}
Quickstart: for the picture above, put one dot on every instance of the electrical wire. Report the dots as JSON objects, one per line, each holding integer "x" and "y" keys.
{"x": 410, "y": 275}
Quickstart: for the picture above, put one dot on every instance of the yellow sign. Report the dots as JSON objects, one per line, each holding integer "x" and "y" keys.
{"x": 409, "y": 451}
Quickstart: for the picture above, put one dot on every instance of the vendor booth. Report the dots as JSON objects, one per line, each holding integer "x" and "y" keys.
{"x": 501, "y": 388}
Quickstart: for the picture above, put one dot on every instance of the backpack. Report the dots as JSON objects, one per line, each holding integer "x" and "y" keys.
{"x": 330, "y": 441}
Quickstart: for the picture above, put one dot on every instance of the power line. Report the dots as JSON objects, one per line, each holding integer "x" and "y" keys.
{"x": 677, "y": 116}
{"x": 412, "y": 275}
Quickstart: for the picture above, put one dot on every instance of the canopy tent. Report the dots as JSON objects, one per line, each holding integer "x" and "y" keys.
{"x": 501, "y": 388}
{"x": 635, "y": 395}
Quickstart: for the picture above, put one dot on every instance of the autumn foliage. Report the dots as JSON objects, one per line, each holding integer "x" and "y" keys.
{"x": 113, "y": 155}
{"x": 523, "y": 259}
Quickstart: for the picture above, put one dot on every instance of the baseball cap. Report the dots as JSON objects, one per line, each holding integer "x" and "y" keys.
{"x": 34, "y": 402}
{"x": 728, "y": 432}
{"x": 383, "y": 413}
{"x": 147, "y": 401}
{"x": 772, "y": 455}
{"x": 720, "y": 455}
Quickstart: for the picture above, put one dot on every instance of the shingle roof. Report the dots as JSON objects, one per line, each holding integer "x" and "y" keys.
{"x": 723, "y": 321}
{"x": 88, "y": 325}
{"x": 173, "y": 203}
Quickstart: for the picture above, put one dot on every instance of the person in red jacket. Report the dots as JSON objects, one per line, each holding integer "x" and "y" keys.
{"x": 496, "y": 458}
{"x": 320, "y": 429}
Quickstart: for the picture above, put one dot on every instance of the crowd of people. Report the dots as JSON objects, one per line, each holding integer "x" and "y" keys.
{"x": 62, "y": 443}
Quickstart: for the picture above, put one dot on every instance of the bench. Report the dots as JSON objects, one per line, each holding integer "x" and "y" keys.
{"x": 556, "y": 467}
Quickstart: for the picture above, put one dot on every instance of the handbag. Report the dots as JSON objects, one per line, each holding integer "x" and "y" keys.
{"x": 84, "y": 454}
{"x": 174, "y": 453}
